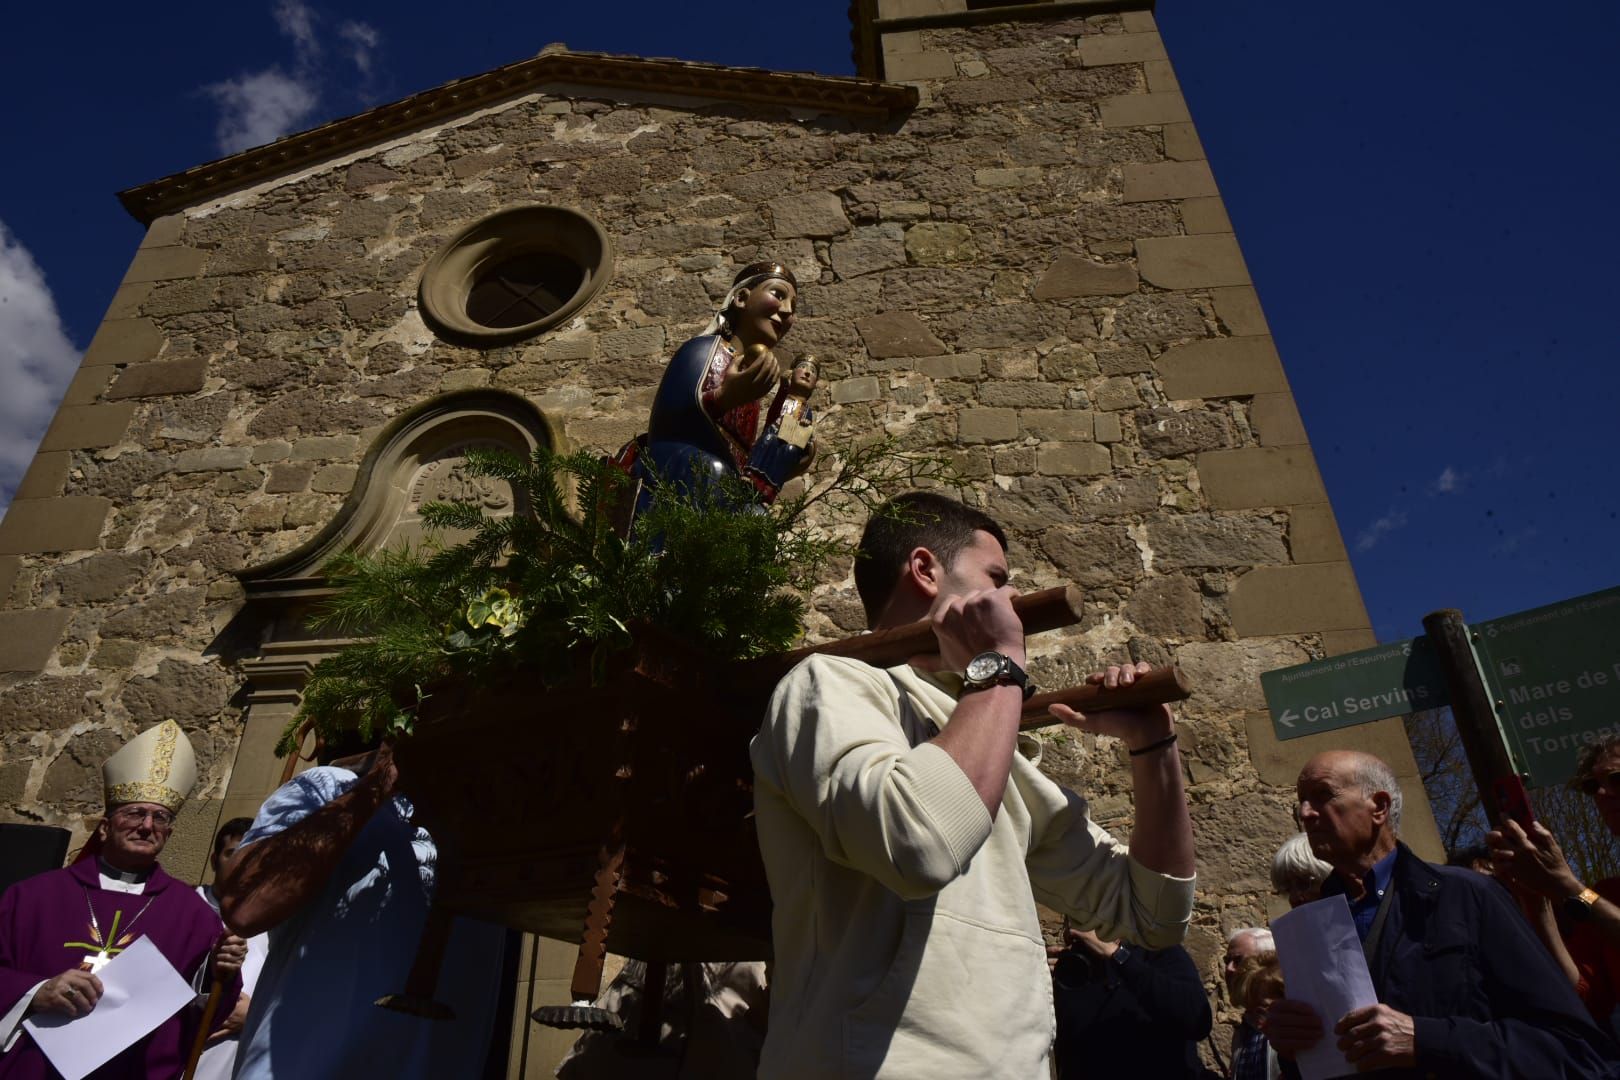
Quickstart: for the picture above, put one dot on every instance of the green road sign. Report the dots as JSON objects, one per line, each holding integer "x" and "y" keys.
{"x": 1554, "y": 673}
{"x": 1356, "y": 688}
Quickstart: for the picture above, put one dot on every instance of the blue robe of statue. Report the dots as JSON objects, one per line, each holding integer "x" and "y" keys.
{"x": 688, "y": 442}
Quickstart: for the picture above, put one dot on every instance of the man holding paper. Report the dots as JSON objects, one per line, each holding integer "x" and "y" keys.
{"x": 1464, "y": 989}
{"x": 59, "y": 929}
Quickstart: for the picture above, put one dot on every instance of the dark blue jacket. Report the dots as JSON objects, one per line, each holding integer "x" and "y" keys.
{"x": 1141, "y": 1017}
{"x": 1486, "y": 998}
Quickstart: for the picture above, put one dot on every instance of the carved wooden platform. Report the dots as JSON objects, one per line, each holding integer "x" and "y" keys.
{"x": 524, "y": 789}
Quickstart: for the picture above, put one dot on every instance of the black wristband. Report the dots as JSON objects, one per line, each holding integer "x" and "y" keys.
{"x": 1150, "y": 747}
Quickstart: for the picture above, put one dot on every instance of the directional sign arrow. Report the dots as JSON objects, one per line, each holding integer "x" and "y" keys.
{"x": 1354, "y": 688}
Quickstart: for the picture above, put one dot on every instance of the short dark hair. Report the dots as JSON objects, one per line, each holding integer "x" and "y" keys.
{"x": 906, "y": 522}
{"x": 234, "y": 829}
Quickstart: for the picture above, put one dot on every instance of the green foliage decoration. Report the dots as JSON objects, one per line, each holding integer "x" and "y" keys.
{"x": 559, "y": 591}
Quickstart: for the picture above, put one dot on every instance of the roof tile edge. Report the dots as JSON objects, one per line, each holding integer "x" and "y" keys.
{"x": 830, "y": 93}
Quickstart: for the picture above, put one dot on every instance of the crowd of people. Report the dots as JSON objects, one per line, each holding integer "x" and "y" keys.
{"x": 1465, "y": 985}
{"x": 1498, "y": 965}
{"x": 908, "y": 835}
{"x": 314, "y": 914}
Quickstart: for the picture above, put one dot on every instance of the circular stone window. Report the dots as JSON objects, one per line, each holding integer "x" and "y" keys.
{"x": 515, "y": 273}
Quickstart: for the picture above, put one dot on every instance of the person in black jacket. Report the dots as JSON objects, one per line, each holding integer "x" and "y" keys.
{"x": 1124, "y": 1011}
{"x": 1464, "y": 988}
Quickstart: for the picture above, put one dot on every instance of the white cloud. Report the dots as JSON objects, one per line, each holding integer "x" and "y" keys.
{"x": 296, "y": 21}
{"x": 36, "y": 360}
{"x": 362, "y": 40}
{"x": 1514, "y": 542}
{"x": 260, "y": 107}
{"x": 1369, "y": 537}
{"x": 257, "y": 107}
{"x": 1448, "y": 481}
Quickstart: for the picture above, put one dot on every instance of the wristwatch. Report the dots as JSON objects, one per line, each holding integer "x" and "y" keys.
{"x": 1579, "y": 906}
{"x": 993, "y": 669}
{"x": 1121, "y": 954}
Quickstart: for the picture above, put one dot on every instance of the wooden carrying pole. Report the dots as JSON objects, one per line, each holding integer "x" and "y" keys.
{"x": 215, "y": 992}
{"x": 1162, "y": 686}
{"x": 1471, "y": 706}
{"x": 1048, "y": 609}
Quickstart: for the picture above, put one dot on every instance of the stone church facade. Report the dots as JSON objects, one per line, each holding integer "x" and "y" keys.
{"x": 1010, "y": 247}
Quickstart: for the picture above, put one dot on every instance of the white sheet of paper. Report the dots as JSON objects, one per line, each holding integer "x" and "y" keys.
{"x": 1324, "y": 966}
{"x": 139, "y": 991}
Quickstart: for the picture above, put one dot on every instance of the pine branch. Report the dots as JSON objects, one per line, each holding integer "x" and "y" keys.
{"x": 556, "y": 588}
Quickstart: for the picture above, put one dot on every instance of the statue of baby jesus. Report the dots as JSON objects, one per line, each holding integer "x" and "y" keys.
{"x": 784, "y": 448}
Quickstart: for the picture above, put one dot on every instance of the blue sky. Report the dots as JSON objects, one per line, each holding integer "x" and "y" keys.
{"x": 1425, "y": 202}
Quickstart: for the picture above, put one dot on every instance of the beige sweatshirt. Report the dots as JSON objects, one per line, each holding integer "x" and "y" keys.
{"x": 906, "y": 939}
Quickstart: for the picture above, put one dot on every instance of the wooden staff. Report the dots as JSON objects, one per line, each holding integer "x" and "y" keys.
{"x": 417, "y": 998}
{"x": 215, "y": 992}
{"x": 1158, "y": 687}
{"x": 1049, "y": 609}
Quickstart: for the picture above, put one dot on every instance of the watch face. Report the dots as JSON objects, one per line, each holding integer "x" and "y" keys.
{"x": 983, "y": 667}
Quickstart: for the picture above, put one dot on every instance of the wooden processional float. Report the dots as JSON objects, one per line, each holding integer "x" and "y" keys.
{"x": 620, "y": 817}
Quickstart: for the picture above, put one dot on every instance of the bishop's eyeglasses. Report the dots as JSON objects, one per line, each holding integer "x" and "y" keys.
{"x": 129, "y": 815}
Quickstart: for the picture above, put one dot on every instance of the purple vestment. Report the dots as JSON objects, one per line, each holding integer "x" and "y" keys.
{"x": 44, "y": 930}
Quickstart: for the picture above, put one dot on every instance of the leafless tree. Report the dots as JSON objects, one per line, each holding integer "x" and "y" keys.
{"x": 1443, "y": 767}
{"x": 1593, "y": 852}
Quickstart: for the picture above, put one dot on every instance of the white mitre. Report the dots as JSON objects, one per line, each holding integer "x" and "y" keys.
{"x": 157, "y": 766}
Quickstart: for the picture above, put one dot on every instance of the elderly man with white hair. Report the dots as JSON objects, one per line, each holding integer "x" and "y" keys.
{"x": 1464, "y": 988}
{"x": 1249, "y": 1050}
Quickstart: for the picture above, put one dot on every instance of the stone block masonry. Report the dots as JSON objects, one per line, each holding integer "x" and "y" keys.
{"x": 87, "y": 427}
{"x": 1030, "y": 272}
{"x": 27, "y": 638}
{"x": 66, "y": 523}
{"x": 124, "y": 341}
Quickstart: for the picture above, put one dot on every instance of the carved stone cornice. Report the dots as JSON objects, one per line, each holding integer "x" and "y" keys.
{"x": 554, "y": 67}
{"x": 280, "y": 671}
{"x": 868, "y": 27}
{"x": 1036, "y": 9}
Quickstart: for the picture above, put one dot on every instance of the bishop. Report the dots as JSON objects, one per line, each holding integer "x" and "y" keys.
{"x": 57, "y": 929}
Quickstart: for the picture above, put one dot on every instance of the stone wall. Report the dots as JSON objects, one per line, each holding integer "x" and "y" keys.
{"x": 1033, "y": 271}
